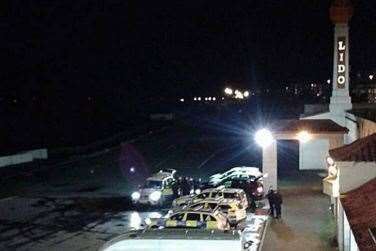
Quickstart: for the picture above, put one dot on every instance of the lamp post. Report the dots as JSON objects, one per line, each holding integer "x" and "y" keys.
{"x": 264, "y": 138}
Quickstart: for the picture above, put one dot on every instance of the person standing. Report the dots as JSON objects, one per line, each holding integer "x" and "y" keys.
{"x": 270, "y": 197}
{"x": 277, "y": 200}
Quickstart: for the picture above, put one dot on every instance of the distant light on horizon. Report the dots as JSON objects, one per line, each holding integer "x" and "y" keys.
{"x": 181, "y": 100}
{"x": 246, "y": 94}
{"x": 371, "y": 76}
{"x": 228, "y": 91}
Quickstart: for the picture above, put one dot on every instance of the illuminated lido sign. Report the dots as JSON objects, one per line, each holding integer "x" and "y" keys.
{"x": 341, "y": 62}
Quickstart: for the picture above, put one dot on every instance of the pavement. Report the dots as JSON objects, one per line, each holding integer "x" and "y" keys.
{"x": 306, "y": 223}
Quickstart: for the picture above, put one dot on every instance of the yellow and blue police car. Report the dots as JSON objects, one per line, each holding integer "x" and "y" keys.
{"x": 202, "y": 219}
{"x": 234, "y": 211}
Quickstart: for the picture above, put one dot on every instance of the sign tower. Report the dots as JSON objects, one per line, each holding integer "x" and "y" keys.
{"x": 341, "y": 12}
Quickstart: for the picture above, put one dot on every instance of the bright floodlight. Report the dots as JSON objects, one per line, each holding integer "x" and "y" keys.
{"x": 304, "y": 136}
{"x": 370, "y": 77}
{"x": 246, "y": 94}
{"x": 228, "y": 91}
{"x": 264, "y": 138}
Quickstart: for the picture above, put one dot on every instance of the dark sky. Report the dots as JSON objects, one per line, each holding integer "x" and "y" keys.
{"x": 132, "y": 49}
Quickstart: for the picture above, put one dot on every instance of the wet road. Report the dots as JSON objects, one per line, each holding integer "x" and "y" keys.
{"x": 82, "y": 202}
{"x": 65, "y": 223}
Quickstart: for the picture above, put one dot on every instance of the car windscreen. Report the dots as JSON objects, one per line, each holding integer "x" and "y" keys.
{"x": 225, "y": 208}
{"x": 156, "y": 184}
{"x": 202, "y": 195}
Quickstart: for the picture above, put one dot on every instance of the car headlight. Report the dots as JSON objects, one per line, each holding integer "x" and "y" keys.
{"x": 136, "y": 196}
{"x": 260, "y": 189}
{"x": 155, "y": 196}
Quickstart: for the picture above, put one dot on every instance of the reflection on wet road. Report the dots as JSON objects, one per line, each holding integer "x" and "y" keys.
{"x": 66, "y": 224}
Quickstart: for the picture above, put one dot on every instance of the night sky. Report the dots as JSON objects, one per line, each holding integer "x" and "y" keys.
{"x": 167, "y": 47}
{"x": 121, "y": 53}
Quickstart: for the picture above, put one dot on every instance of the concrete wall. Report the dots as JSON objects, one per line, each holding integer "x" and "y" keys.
{"x": 340, "y": 225}
{"x": 366, "y": 127}
{"x": 312, "y": 154}
{"x": 23, "y": 157}
{"x": 352, "y": 175}
{"x": 346, "y": 239}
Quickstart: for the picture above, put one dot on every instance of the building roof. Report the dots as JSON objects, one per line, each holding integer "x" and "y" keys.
{"x": 314, "y": 126}
{"x": 360, "y": 208}
{"x": 363, "y": 149}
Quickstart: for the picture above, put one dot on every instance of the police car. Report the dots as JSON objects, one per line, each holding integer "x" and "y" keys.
{"x": 230, "y": 194}
{"x": 204, "y": 219}
{"x": 251, "y": 172}
{"x": 233, "y": 210}
{"x": 156, "y": 190}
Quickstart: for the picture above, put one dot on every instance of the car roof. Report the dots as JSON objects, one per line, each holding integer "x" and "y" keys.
{"x": 233, "y": 190}
{"x": 211, "y": 200}
{"x": 160, "y": 176}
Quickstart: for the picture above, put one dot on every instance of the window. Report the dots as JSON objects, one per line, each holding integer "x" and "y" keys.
{"x": 209, "y": 218}
{"x": 193, "y": 217}
{"x": 202, "y": 195}
{"x": 177, "y": 217}
{"x": 216, "y": 194}
{"x": 156, "y": 184}
{"x": 231, "y": 196}
{"x": 225, "y": 208}
{"x": 212, "y": 205}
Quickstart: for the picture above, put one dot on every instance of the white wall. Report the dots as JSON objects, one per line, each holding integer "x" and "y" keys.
{"x": 312, "y": 154}
{"x": 23, "y": 157}
{"x": 340, "y": 225}
{"x": 354, "y": 174}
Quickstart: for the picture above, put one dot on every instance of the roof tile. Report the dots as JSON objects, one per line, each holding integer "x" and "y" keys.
{"x": 360, "y": 208}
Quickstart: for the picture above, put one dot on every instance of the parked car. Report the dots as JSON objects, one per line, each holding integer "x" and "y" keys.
{"x": 192, "y": 219}
{"x": 157, "y": 190}
{"x": 233, "y": 210}
{"x": 250, "y": 172}
{"x": 237, "y": 195}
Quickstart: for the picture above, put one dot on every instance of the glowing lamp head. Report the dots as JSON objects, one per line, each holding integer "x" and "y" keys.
{"x": 264, "y": 138}
{"x": 304, "y": 136}
{"x": 246, "y": 94}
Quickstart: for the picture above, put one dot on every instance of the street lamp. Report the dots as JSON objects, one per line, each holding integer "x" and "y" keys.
{"x": 264, "y": 138}
{"x": 246, "y": 94}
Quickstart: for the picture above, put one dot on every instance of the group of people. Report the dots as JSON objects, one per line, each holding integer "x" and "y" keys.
{"x": 275, "y": 203}
{"x": 184, "y": 186}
